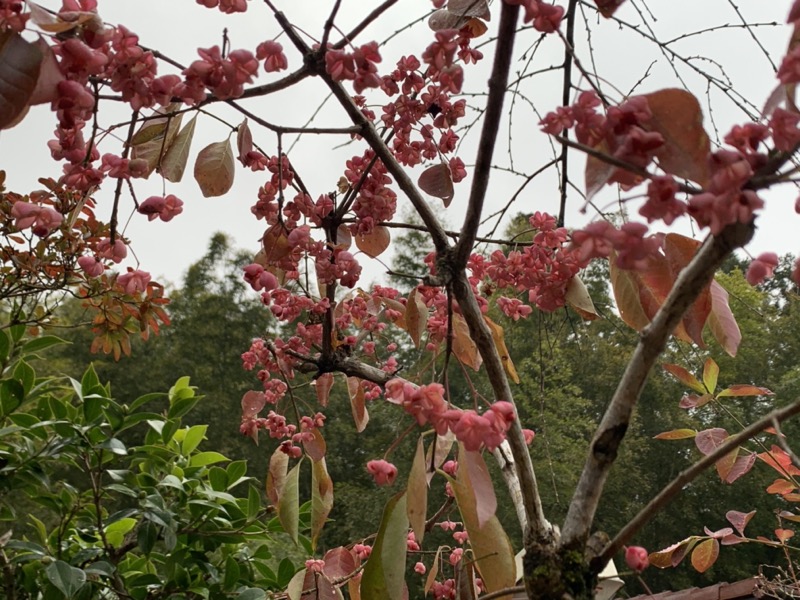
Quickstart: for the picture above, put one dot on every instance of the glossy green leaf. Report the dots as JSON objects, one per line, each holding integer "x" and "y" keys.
{"x": 192, "y": 439}
{"x": 66, "y": 578}
{"x": 384, "y": 574}
{"x": 203, "y": 459}
{"x": 42, "y": 343}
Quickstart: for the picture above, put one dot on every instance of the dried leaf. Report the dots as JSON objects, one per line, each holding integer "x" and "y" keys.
{"x": 357, "y": 403}
{"x": 433, "y": 571}
{"x": 315, "y": 447}
{"x": 323, "y": 385}
{"x": 470, "y": 8}
{"x": 440, "y": 448}
{"x": 244, "y": 140}
{"x": 375, "y": 242}
{"x": 416, "y": 317}
{"x": 50, "y": 76}
{"x": 214, "y": 169}
{"x": 437, "y": 181}
{"x": 174, "y": 162}
{"x": 597, "y": 172}
{"x": 20, "y": 63}
{"x": 498, "y": 335}
{"x": 463, "y": 347}
{"x": 155, "y": 137}
{"x": 578, "y": 298}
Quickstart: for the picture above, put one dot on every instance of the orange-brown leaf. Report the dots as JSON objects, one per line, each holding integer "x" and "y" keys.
{"x": 463, "y": 346}
{"x": 416, "y": 317}
{"x": 678, "y": 118}
{"x": 375, "y": 242}
{"x": 357, "y": 403}
{"x": 214, "y": 168}
{"x": 437, "y": 181}
{"x": 705, "y": 555}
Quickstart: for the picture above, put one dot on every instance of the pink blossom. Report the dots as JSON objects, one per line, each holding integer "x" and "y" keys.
{"x": 762, "y": 268}
{"x": 91, "y": 266}
{"x": 134, "y": 281}
{"x": 383, "y": 472}
{"x": 637, "y": 558}
{"x": 419, "y": 568}
{"x": 315, "y": 565}
{"x": 41, "y": 219}
{"x": 362, "y": 551}
{"x": 271, "y": 52}
{"x": 116, "y": 253}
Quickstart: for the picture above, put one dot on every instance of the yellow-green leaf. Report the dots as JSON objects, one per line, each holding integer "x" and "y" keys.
{"x": 321, "y": 498}
{"x": 289, "y": 503}
{"x": 214, "y": 168}
{"x": 417, "y": 504}
{"x": 384, "y": 573}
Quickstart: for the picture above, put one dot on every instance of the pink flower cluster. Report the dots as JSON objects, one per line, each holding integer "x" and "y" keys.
{"x": 226, "y": 6}
{"x": 224, "y": 76}
{"x": 427, "y": 405}
{"x": 161, "y": 207}
{"x": 544, "y": 269}
{"x": 383, "y": 472}
{"x": 358, "y": 66}
{"x": 545, "y": 17}
{"x": 42, "y": 220}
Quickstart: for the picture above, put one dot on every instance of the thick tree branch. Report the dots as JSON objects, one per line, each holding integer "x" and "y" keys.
{"x": 603, "y": 450}
{"x": 688, "y": 475}
{"x": 498, "y": 84}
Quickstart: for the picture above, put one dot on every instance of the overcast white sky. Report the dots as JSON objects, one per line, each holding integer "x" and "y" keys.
{"x": 624, "y": 57}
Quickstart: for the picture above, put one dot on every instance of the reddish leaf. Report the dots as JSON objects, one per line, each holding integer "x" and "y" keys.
{"x": 321, "y": 498}
{"x": 597, "y": 172}
{"x": 744, "y": 390}
{"x": 705, "y": 555}
{"x": 252, "y": 403}
{"x": 679, "y": 251}
{"x": 417, "y": 504}
{"x": 498, "y": 335}
{"x": 678, "y": 118}
{"x": 719, "y": 534}
{"x": 780, "y": 461}
{"x": 608, "y": 7}
{"x": 416, "y": 317}
{"x": 741, "y": 467}
{"x": 685, "y": 377}
{"x": 781, "y": 486}
{"x": 789, "y": 516}
{"x": 732, "y": 540}
{"x": 437, "y": 181}
{"x": 375, "y": 242}
{"x": 322, "y": 386}
{"x": 339, "y": 563}
{"x": 792, "y": 497}
{"x": 493, "y": 553}
{"x": 709, "y": 440}
{"x": 739, "y": 520}
{"x": 175, "y": 158}
{"x": 692, "y": 401}
{"x": 276, "y": 244}
{"x": 20, "y": 63}
{"x": 721, "y": 321}
{"x": 214, "y": 169}
{"x": 481, "y": 486}
{"x": 383, "y": 577}
{"x": 578, "y": 298}
{"x": 244, "y": 141}
{"x": 276, "y": 476}
{"x": 676, "y": 434}
{"x": 463, "y": 347}
{"x": 710, "y": 375}
{"x": 784, "y": 535}
{"x": 315, "y": 447}
{"x": 357, "y": 403}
